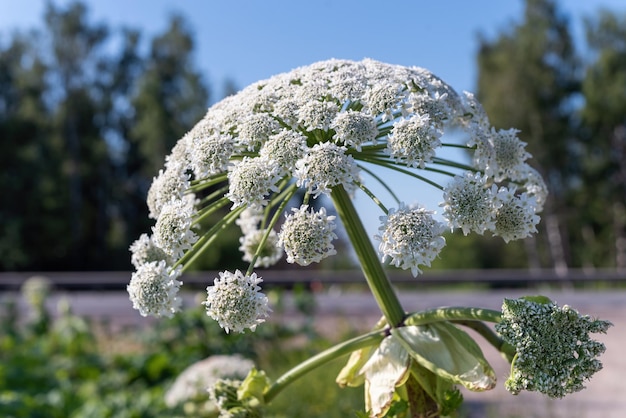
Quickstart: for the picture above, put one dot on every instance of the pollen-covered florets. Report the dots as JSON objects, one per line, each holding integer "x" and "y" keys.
{"x": 172, "y": 232}
{"x": 470, "y": 204}
{"x": 410, "y": 237}
{"x": 153, "y": 289}
{"x": 555, "y": 353}
{"x": 307, "y": 236}
{"x": 354, "y": 129}
{"x": 325, "y": 166}
{"x": 516, "y": 216}
{"x": 144, "y": 250}
{"x": 413, "y": 141}
{"x": 285, "y": 148}
{"x": 235, "y": 301}
{"x": 209, "y": 151}
{"x": 252, "y": 180}
{"x": 169, "y": 184}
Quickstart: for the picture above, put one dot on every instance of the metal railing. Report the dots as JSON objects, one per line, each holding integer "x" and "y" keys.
{"x": 117, "y": 280}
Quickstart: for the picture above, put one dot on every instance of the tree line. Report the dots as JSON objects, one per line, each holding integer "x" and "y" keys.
{"x": 84, "y": 127}
{"x": 569, "y": 102}
{"x": 87, "y": 116}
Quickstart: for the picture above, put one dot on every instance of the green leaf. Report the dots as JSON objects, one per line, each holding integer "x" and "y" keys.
{"x": 254, "y": 385}
{"x": 448, "y": 352}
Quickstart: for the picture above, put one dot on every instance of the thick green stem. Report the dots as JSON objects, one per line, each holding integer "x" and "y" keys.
{"x": 372, "y": 268}
{"x": 506, "y": 349}
{"x": 453, "y": 314}
{"x": 322, "y": 358}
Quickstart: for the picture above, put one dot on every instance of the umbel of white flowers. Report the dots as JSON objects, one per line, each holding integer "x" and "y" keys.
{"x": 333, "y": 124}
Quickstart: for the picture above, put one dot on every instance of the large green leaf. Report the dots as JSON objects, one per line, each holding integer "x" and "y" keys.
{"x": 448, "y": 352}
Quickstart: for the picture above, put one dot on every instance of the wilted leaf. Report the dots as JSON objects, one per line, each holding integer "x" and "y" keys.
{"x": 449, "y": 353}
{"x": 387, "y": 368}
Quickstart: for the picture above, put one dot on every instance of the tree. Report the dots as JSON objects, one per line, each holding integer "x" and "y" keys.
{"x": 27, "y": 160}
{"x": 77, "y": 67}
{"x": 83, "y": 127}
{"x": 604, "y": 123}
{"x": 171, "y": 97}
{"x": 527, "y": 80}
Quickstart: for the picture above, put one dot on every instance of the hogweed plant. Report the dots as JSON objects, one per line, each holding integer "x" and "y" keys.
{"x": 327, "y": 130}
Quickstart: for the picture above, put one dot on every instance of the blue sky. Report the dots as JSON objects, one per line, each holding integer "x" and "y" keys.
{"x": 249, "y": 40}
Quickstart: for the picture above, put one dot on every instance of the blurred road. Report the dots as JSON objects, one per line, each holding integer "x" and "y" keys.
{"x": 605, "y": 395}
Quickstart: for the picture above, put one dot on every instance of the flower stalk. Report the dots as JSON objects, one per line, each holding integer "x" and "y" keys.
{"x": 372, "y": 268}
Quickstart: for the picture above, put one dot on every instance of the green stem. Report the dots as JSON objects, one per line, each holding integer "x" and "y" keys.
{"x": 506, "y": 349}
{"x": 381, "y": 182}
{"x": 322, "y": 358}
{"x": 372, "y": 268}
{"x": 286, "y": 197}
{"x": 207, "y": 239}
{"x": 453, "y": 314}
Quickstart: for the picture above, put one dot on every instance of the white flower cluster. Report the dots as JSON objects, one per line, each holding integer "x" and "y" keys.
{"x": 410, "y": 238}
{"x": 153, "y": 289}
{"x": 473, "y": 206}
{"x": 322, "y": 128}
{"x": 235, "y": 301}
{"x": 307, "y": 236}
{"x": 555, "y": 353}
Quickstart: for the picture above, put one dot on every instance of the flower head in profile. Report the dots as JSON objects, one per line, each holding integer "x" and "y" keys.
{"x": 235, "y": 301}
{"x": 555, "y": 354}
{"x": 470, "y": 204}
{"x": 251, "y": 182}
{"x": 153, "y": 289}
{"x": 325, "y": 166}
{"x": 516, "y": 216}
{"x": 410, "y": 238}
{"x": 307, "y": 236}
{"x": 413, "y": 141}
{"x": 269, "y": 254}
{"x": 144, "y": 250}
{"x": 172, "y": 232}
